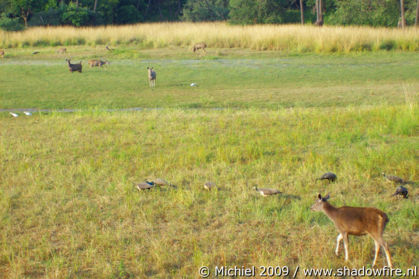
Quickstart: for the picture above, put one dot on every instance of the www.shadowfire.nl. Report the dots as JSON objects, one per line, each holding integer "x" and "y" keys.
{"x": 355, "y": 272}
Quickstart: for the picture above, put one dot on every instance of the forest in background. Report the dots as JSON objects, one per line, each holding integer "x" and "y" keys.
{"x": 18, "y": 14}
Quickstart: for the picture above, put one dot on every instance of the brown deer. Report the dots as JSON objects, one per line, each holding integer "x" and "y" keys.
{"x": 201, "y": 45}
{"x": 356, "y": 221}
{"x": 97, "y": 63}
{"x": 152, "y": 76}
{"x": 62, "y": 50}
{"x": 74, "y": 67}
{"x": 2, "y": 53}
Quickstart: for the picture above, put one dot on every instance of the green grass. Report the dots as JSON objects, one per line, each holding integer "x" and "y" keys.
{"x": 225, "y": 81}
{"x": 68, "y": 208}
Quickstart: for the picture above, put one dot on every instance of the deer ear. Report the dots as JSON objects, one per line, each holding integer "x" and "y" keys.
{"x": 319, "y": 196}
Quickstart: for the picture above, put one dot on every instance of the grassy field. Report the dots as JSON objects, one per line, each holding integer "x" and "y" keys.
{"x": 68, "y": 207}
{"x": 225, "y": 78}
{"x": 290, "y": 38}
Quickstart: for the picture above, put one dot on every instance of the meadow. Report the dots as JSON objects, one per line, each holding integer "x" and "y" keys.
{"x": 68, "y": 205}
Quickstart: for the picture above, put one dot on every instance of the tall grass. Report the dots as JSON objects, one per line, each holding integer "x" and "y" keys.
{"x": 295, "y": 38}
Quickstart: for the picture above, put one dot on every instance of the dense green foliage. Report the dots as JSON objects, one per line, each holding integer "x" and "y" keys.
{"x": 99, "y": 12}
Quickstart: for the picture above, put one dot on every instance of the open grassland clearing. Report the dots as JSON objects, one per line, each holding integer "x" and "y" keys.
{"x": 290, "y": 38}
{"x": 69, "y": 209}
{"x": 258, "y": 80}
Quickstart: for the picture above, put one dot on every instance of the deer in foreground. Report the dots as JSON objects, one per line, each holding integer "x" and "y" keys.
{"x": 2, "y": 53}
{"x": 97, "y": 63}
{"x": 201, "y": 45}
{"x": 356, "y": 221}
{"x": 62, "y": 50}
{"x": 151, "y": 77}
{"x": 74, "y": 67}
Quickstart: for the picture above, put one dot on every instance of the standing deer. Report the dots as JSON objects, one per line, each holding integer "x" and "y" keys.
{"x": 2, "y": 53}
{"x": 97, "y": 63}
{"x": 74, "y": 67}
{"x": 151, "y": 77}
{"x": 62, "y": 50}
{"x": 201, "y": 45}
{"x": 356, "y": 221}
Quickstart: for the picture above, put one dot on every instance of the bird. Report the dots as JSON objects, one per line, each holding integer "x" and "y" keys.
{"x": 109, "y": 48}
{"x": 144, "y": 186}
{"x": 329, "y": 176}
{"x": 267, "y": 191}
{"x": 402, "y": 191}
{"x": 194, "y": 84}
{"x": 162, "y": 182}
{"x": 28, "y": 113}
{"x": 394, "y": 179}
{"x": 14, "y": 114}
{"x": 209, "y": 185}
{"x": 35, "y": 52}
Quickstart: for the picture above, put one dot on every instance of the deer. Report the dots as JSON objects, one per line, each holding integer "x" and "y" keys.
{"x": 356, "y": 221}
{"x": 151, "y": 77}
{"x": 62, "y": 50}
{"x": 97, "y": 63}
{"x": 74, "y": 67}
{"x": 2, "y": 53}
{"x": 200, "y": 45}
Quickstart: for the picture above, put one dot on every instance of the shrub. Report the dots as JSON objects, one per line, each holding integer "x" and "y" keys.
{"x": 10, "y": 24}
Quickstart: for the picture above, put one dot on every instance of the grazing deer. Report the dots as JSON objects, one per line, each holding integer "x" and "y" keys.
{"x": 2, "y": 53}
{"x": 74, "y": 67}
{"x": 97, "y": 63}
{"x": 201, "y": 45}
{"x": 151, "y": 77}
{"x": 62, "y": 50}
{"x": 356, "y": 221}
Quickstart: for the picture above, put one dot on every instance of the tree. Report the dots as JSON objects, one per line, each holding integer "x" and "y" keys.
{"x": 417, "y": 14}
{"x": 256, "y": 11}
{"x": 319, "y": 13}
{"x": 205, "y": 10}
{"x": 302, "y": 11}
{"x": 24, "y": 8}
{"x": 403, "y": 20}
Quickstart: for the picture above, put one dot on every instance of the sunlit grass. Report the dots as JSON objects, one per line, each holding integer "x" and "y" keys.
{"x": 291, "y": 38}
{"x": 69, "y": 209}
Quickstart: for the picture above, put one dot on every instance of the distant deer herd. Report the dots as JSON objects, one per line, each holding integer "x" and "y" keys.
{"x": 151, "y": 73}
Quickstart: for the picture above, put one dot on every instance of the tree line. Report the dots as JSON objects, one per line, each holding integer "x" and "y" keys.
{"x": 17, "y": 14}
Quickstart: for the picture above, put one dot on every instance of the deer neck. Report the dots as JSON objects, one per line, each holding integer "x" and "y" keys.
{"x": 330, "y": 211}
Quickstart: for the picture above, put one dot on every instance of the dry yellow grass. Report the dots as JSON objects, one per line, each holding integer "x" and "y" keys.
{"x": 221, "y": 35}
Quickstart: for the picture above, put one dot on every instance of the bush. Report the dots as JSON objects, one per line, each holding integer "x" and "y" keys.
{"x": 10, "y": 24}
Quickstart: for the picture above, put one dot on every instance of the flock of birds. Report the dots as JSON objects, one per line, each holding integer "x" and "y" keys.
{"x": 265, "y": 192}
{"x": 14, "y": 114}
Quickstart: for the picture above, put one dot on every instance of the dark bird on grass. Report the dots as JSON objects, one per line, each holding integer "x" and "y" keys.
{"x": 396, "y": 179}
{"x": 209, "y": 185}
{"x": 267, "y": 191}
{"x": 146, "y": 185}
{"x": 401, "y": 191}
{"x": 329, "y": 176}
{"x": 35, "y": 52}
{"x": 109, "y": 48}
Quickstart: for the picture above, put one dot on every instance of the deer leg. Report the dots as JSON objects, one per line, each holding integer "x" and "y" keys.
{"x": 338, "y": 240}
{"x": 388, "y": 256}
{"x": 377, "y": 250}
{"x": 345, "y": 244}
